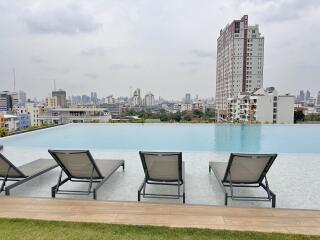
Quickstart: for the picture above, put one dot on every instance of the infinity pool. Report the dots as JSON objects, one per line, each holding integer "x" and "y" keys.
{"x": 294, "y": 176}
{"x": 175, "y": 137}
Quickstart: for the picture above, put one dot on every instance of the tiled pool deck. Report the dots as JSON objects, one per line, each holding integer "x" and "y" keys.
{"x": 294, "y": 178}
{"x": 170, "y": 215}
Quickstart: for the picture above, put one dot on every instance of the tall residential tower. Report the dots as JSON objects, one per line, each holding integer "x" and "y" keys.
{"x": 240, "y": 54}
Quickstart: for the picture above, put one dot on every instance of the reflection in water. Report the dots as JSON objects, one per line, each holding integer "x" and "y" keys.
{"x": 235, "y": 138}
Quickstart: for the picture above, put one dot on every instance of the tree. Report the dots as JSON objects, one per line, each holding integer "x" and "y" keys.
{"x": 298, "y": 116}
{"x": 197, "y": 113}
{"x": 3, "y": 132}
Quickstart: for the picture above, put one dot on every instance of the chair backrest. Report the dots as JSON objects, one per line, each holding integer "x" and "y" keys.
{"x": 248, "y": 168}
{"x": 14, "y": 172}
{"x": 76, "y": 163}
{"x": 162, "y": 166}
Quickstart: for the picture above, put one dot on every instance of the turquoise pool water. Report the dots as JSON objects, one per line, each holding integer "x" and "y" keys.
{"x": 174, "y": 137}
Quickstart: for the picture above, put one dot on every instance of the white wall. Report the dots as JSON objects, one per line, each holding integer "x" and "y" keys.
{"x": 264, "y": 113}
{"x": 285, "y": 112}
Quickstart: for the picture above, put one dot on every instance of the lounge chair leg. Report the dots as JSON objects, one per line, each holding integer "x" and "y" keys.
{"x": 138, "y": 196}
{"x": 94, "y": 194}
{"x": 7, "y": 192}
{"x": 53, "y": 192}
{"x": 273, "y": 201}
{"x": 226, "y": 199}
{"x": 123, "y": 167}
{"x": 209, "y": 169}
{"x": 184, "y": 198}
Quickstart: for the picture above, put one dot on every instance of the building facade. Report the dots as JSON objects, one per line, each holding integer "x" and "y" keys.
{"x": 261, "y": 106}
{"x": 240, "y": 56}
{"x": 1, "y": 120}
{"x": 149, "y": 99}
{"x": 11, "y": 123}
{"x": 8, "y": 100}
{"x": 74, "y": 115}
{"x": 24, "y": 120}
{"x": 61, "y": 98}
{"x": 52, "y": 102}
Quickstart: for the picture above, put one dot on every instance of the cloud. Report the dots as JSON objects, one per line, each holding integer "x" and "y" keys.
{"x": 203, "y": 53}
{"x": 38, "y": 60}
{"x": 120, "y": 66}
{"x": 190, "y": 63}
{"x": 69, "y": 20}
{"x": 94, "y": 52}
{"x": 279, "y": 10}
{"x": 91, "y": 75}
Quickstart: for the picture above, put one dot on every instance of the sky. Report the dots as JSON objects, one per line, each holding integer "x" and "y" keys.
{"x": 167, "y": 47}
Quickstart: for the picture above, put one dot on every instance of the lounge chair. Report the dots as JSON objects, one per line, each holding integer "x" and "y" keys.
{"x": 162, "y": 168}
{"x": 79, "y": 166}
{"x": 244, "y": 170}
{"x": 22, "y": 174}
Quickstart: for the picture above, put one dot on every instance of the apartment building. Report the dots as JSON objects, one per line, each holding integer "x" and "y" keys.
{"x": 240, "y": 56}
{"x": 74, "y": 115}
{"x": 261, "y": 106}
{"x": 52, "y": 102}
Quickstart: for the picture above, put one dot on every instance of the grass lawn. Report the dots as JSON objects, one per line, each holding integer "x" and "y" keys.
{"x": 36, "y": 229}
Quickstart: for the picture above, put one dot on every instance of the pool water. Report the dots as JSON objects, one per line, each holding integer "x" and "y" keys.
{"x": 174, "y": 137}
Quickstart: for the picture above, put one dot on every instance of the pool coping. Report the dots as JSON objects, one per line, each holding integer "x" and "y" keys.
{"x": 290, "y": 221}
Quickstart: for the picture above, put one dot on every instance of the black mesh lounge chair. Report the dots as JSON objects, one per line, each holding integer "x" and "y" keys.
{"x": 244, "y": 170}
{"x": 22, "y": 174}
{"x": 79, "y": 166}
{"x": 162, "y": 168}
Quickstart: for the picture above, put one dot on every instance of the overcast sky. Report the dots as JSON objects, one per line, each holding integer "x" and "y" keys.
{"x": 167, "y": 47}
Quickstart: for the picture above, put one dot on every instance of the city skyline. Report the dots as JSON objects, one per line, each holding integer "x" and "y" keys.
{"x": 70, "y": 42}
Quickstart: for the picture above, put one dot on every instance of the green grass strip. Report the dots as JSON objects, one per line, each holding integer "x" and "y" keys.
{"x": 38, "y": 229}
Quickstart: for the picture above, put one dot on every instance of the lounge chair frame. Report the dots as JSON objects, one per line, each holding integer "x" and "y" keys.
{"x": 19, "y": 179}
{"x": 225, "y": 183}
{"x": 147, "y": 180}
{"x": 100, "y": 179}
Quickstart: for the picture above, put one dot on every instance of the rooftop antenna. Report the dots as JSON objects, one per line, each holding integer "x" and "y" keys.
{"x": 14, "y": 80}
{"x": 54, "y": 85}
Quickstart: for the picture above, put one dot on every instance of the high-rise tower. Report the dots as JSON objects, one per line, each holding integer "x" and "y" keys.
{"x": 240, "y": 54}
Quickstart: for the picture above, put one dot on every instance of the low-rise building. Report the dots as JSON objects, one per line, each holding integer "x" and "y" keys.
{"x": 1, "y": 120}
{"x": 74, "y": 115}
{"x": 261, "y": 106}
{"x": 24, "y": 120}
{"x": 11, "y": 123}
{"x": 52, "y": 102}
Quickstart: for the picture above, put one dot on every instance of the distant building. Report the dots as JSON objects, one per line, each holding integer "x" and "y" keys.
{"x": 301, "y": 97}
{"x": 1, "y": 120}
{"x": 198, "y": 105}
{"x": 61, "y": 98}
{"x": 22, "y": 97}
{"x": 240, "y": 57}
{"x": 11, "y": 122}
{"x": 8, "y": 100}
{"x": 115, "y": 109}
{"x": 24, "y": 120}
{"x": 149, "y": 99}
{"x": 308, "y": 95}
{"x": 75, "y": 115}
{"x": 263, "y": 105}
{"x": 187, "y": 98}
{"x": 318, "y": 99}
{"x": 186, "y": 107}
{"x": 34, "y": 110}
{"x": 136, "y": 99}
{"x": 110, "y": 99}
{"x": 52, "y": 102}
{"x": 94, "y": 97}
{"x": 85, "y": 99}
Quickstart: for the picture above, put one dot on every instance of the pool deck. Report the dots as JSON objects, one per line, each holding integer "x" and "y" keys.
{"x": 170, "y": 215}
